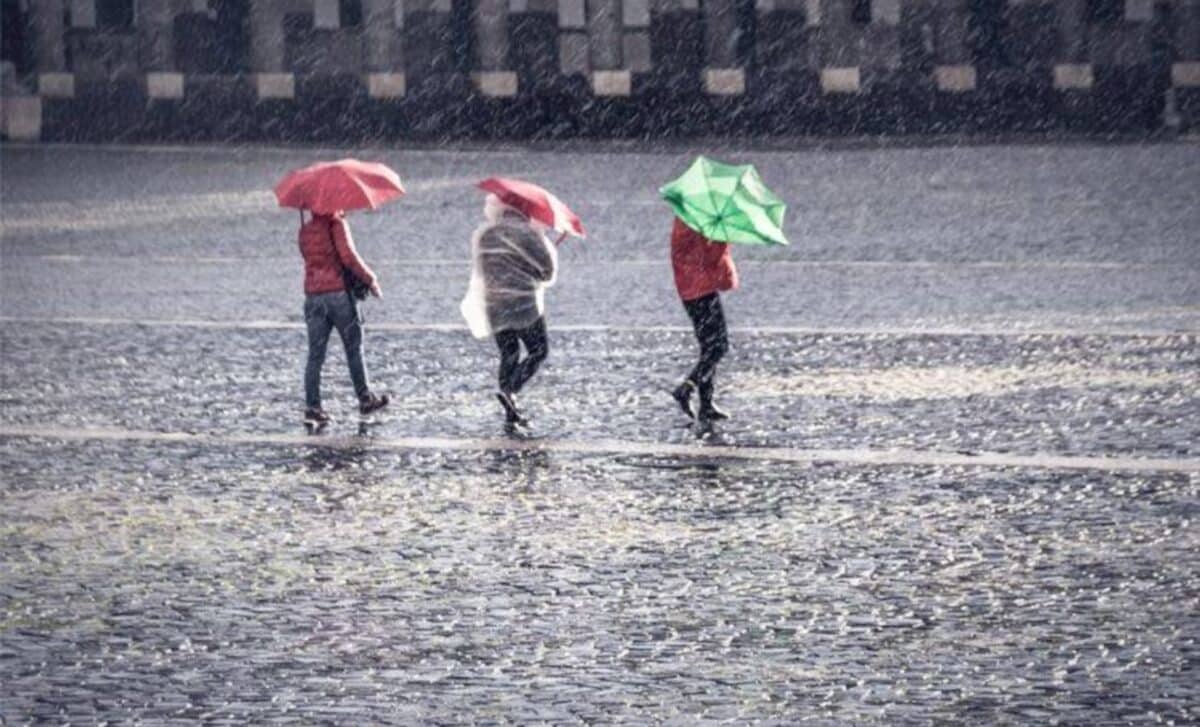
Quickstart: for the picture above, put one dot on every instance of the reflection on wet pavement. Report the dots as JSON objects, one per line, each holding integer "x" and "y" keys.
{"x": 426, "y": 566}
{"x": 262, "y": 583}
{"x": 1074, "y": 237}
{"x": 1068, "y": 395}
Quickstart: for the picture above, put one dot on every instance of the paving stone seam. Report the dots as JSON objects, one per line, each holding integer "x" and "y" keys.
{"x": 880, "y": 457}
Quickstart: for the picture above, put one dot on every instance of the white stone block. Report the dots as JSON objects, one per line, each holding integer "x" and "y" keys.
{"x": 518, "y": 6}
{"x": 885, "y": 11}
{"x": 572, "y": 14}
{"x": 386, "y": 85}
{"x": 275, "y": 85}
{"x": 1185, "y": 75}
{"x": 21, "y": 117}
{"x": 326, "y": 14}
{"x": 955, "y": 79}
{"x": 635, "y": 13}
{"x": 83, "y": 13}
{"x": 840, "y": 80}
{"x": 498, "y": 84}
{"x": 398, "y": 13}
{"x": 164, "y": 85}
{"x": 689, "y": 4}
{"x": 56, "y": 85}
{"x": 724, "y": 81}
{"x": 1073, "y": 76}
{"x": 1139, "y": 11}
{"x": 812, "y": 12}
{"x": 612, "y": 83}
{"x": 764, "y": 6}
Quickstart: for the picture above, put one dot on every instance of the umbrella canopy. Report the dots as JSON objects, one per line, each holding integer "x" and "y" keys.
{"x": 347, "y": 184}
{"x": 535, "y": 203}
{"x": 727, "y": 203}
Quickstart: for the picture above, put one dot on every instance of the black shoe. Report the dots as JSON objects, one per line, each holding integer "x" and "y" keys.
{"x": 683, "y": 396}
{"x": 372, "y": 403}
{"x": 710, "y": 413}
{"x": 315, "y": 416}
{"x": 512, "y": 414}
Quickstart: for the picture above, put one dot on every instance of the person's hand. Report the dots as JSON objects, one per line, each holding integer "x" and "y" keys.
{"x": 376, "y": 290}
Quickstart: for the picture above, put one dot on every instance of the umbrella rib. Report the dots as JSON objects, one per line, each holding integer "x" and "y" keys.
{"x": 711, "y": 192}
{"x": 729, "y": 200}
{"x": 759, "y": 221}
{"x": 713, "y": 200}
{"x": 684, "y": 201}
{"x": 725, "y": 231}
{"x": 362, "y": 187}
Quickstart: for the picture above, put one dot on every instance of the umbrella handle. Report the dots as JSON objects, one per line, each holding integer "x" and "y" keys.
{"x": 560, "y": 239}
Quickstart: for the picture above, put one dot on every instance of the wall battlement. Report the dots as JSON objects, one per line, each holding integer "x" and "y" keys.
{"x": 432, "y": 69}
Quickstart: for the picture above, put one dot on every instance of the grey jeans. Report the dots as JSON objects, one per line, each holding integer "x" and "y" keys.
{"x": 323, "y": 313}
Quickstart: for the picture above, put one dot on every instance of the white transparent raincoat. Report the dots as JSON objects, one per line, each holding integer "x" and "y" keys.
{"x": 512, "y": 264}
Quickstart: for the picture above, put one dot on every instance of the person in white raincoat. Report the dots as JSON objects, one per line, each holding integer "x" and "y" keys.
{"x": 513, "y": 262}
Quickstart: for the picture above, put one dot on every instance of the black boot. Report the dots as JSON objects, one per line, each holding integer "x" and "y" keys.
{"x": 708, "y": 410}
{"x": 372, "y": 403}
{"x": 315, "y": 417}
{"x": 683, "y": 396}
{"x": 512, "y": 415}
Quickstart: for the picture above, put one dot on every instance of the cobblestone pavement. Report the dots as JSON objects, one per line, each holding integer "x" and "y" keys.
{"x": 1041, "y": 302}
{"x": 273, "y": 583}
{"x": 1074, "y": 395}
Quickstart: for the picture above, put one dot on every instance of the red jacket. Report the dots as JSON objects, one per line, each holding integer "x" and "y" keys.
{"x": 327, "y": 247}
{"x": 701, "y": 265}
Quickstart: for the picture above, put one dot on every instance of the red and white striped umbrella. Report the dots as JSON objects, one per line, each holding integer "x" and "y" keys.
{"x": 535, "y": 203}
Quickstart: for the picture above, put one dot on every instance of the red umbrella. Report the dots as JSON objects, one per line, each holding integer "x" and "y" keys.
{"x": 535, "y": 203}
{"x": 347, "y": 184}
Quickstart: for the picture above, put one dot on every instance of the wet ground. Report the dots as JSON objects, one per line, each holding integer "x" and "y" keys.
{"x": 959, "y": 238}
{"x": 173, "y": 546}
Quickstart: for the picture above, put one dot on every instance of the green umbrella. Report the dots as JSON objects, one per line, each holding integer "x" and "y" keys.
{"x": 728, "y": 203}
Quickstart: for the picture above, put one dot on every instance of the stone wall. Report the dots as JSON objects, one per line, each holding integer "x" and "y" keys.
{"x": 394, "y": 69}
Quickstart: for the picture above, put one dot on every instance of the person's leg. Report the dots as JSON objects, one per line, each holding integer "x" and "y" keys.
{"x": 509, "y": 344}
{"x": 696, "y": 310}
{"x": 316, "y": 319}
{"x": 683, "y": 393}
{"x": 708, "y": 320}
{"x": 706, "y": 389}
{"x": 349, "y": 327}
{"x": 537, "y": 348}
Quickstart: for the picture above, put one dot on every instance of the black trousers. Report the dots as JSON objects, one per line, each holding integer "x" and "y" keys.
{"x": 708, "y": 321}
{"x": 514, "y": 372}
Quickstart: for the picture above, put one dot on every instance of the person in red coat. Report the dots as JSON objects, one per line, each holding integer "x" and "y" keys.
{"x": 703, "y": 268}
{"x": 328, "y": 250}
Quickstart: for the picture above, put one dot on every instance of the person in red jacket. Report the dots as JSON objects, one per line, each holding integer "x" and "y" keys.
{"x": 328, "y": 249}
{"x": 703, "y": 268}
